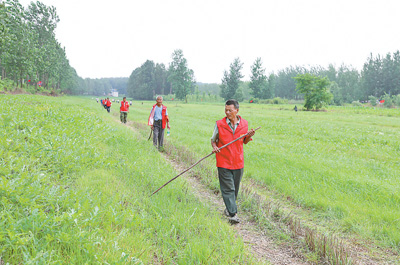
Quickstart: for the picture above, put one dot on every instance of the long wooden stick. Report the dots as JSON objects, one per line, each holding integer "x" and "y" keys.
{"x": 200, "y": 161}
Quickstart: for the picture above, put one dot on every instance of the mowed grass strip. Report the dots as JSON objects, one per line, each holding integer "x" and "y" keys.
{"x": 342, "y": 164}
{"x": 75, "y": 186}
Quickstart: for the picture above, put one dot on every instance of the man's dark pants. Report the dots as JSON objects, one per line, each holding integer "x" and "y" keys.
{"x": 158, "y": 134}
{"x": 229, "y": 182}
{"x": 123, "y": 116}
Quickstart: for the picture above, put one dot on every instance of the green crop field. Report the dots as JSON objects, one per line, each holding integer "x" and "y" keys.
{"x": 342, "y": 164}
{"x": 74, "y": 187}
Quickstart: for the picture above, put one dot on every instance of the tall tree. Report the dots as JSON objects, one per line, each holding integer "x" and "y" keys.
{"x": 348, "y": 79}
{"x": 180, "y": 76}
{"x": 160, "y": 76}
{"x": 231, "y": 80}
{"x": 4, "y": 35}
{"x": 372, "y": 77}
{"x": 147, "y": 81}
{"x": 141, "y": 84}
{"x": 315, "y": 90}
{"x": 29, "y": 49}
{"x": 285, "y": 85}
{"x": 258, "y": 79}
{"x": 268, "y": 91}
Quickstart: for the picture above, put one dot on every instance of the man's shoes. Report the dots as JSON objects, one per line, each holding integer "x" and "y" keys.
{"x": 226, "y": 213}
{"x": 234, "y": 219}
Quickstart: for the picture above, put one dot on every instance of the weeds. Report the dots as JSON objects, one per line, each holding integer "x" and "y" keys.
{"x": 74, "y": 189}
{"x": 340, "y": 164}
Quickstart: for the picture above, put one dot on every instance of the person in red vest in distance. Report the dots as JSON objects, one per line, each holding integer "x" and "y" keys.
{"x": 108, "y": 105}
{"x": 230, "y": 161}
{"x": 158, "y": 120}
{"x": 124, "y": 110}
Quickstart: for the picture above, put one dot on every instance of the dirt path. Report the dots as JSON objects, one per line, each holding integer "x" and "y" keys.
{"x": 264, "y": 249}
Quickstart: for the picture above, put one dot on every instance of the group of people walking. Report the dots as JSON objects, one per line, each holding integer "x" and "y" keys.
{"x": 230, "y": 160}
{"x": 106, "y": 103}
{"x": 124, "y": 108}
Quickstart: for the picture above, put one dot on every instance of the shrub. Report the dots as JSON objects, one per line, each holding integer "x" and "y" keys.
{"x": 168, "y": 97}
{"x": 356, "y": 104}
{"x": 388, "y": 101}
{"x": 372, "y": 100}
{"x": 276, "y": 100}
{"x": 266, "y": 101}
{"x": 279, "y": 100}
{"x": 6, "y": 85}
{"x": 396, "y": 100}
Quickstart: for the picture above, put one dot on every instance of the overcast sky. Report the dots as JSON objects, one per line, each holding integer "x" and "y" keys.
{"x": 112, "y": 38}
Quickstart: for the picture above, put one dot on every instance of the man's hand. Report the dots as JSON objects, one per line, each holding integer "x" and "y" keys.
{"x": 215, "y": 147}
{"x": 248, "y": 137}
{"x": 251, "y": 133}
{"x": 152, "y": 127}
{"x": 169, "y": 127}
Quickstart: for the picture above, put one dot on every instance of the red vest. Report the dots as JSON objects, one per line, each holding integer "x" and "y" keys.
{"x": 230, "y": 157}
{"x": 163, "y": 116}
{"x": 108, "y": 103}
{"x": 124, "y": 106}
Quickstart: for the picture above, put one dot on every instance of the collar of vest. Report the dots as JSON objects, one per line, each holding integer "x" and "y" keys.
{"x": 226, "y": 118}
{"x": 163, "y": 107}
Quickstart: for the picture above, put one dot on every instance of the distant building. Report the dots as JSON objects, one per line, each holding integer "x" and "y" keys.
{"x": 114, "y": 93}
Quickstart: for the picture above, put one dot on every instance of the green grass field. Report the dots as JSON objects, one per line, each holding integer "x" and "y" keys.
{"x": 74, "y": 187}
{"x": 74, "y": 183}
{"x": 342, "y": 164}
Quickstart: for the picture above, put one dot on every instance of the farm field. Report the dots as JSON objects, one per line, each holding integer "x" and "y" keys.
{"x": 341, "y": 165}
{"x": 74, "y": 187}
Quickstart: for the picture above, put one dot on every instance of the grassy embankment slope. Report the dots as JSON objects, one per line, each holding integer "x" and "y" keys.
{"x": 342, "y": 164}
{"x": 74, "y": 188}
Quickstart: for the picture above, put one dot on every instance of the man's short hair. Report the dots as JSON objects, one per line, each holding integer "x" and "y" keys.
{"x": 159, "y": 97}
{"x": 232, "y": 102}
{"x": 124, "y": 98}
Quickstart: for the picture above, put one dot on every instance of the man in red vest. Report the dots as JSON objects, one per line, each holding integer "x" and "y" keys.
{"x": 124, "y": 110}
{"x": 158, "y": 120}
{"x": 108, "y": 104}
{"x": 230, "y": 161}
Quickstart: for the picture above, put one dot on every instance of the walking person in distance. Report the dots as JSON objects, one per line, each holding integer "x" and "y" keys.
{"x": 108, "y": 105}
{"x": 124, "y": 110}
{"x": 158, "y": 120}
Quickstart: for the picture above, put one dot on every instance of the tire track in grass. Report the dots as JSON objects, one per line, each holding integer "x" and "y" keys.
{"x": 264, "y": 248}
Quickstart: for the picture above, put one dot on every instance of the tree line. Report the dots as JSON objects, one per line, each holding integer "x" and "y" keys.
{"x": 103, "y": 86}
{"x": 30, "y": 55}
{"x": 152, "y": 79}
{"x": 29, "y": 52}
{"x": 379, "y": 78}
